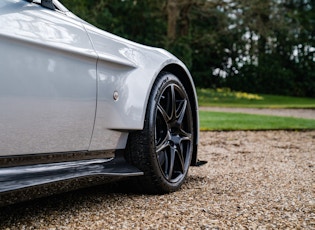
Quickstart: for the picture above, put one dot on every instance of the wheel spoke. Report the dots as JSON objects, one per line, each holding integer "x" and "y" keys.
{"x": 184, "y": 135}
{"x": 173, "y": 100}
{"x": 164, "y": 114}
{"x": 171, "y": 163}
{"x": 166, "y": 162}
{"x": 164, "y": 144}
{"x": 182, "y": 111}
{"x": 163, "y": 159}
{"x": 181, "y": 157}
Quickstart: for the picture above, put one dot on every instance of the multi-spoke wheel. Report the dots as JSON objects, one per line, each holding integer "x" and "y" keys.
{"x": 163, "y": 149}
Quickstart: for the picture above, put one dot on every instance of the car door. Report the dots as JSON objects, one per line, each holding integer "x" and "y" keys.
{"x": 47, "y": 81}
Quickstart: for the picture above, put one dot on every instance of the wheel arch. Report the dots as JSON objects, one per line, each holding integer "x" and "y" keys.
{"x": 188, "y": 83}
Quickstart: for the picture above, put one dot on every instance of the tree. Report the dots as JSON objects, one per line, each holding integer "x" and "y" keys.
{"x": 257, "y": 46}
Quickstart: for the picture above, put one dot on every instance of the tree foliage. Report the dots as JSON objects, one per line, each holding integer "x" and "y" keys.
{"x": 256, "y": 46}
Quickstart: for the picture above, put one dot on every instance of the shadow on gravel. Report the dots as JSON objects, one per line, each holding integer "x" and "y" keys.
{"x": 39, "y": 208}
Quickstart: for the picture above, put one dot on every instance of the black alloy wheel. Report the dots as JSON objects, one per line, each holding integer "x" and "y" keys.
{"x": 163, "y": 149}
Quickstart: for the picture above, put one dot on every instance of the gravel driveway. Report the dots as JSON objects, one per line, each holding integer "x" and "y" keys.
{"x": 254, "y": 180}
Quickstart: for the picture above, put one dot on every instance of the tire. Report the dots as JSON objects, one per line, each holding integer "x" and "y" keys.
{"x": 163, "y": 149}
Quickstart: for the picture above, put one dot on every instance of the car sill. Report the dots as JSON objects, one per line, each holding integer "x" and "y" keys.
{"x": 19, "y": 177}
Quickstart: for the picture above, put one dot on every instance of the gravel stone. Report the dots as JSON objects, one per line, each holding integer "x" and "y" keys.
{"x": 253, "y": 180}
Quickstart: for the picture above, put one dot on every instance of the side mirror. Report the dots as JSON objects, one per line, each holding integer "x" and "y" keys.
{"x": 48, "y": 4}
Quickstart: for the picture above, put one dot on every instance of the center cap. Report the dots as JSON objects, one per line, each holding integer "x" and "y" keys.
{"x": 175, "y": 140}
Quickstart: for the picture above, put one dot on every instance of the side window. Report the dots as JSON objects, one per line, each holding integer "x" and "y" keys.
{"x": 53, "y": 5}
{"x": 44, "y": 3}
{"x": 48, "y": 4}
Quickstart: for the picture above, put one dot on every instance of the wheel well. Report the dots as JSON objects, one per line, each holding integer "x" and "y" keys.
{"x": 179, "y": 72}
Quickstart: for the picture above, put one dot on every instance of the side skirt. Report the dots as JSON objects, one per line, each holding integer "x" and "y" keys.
{"x": 21, "y": 177}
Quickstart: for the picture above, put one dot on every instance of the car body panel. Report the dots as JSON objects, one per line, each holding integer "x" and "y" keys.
{"x": 128, "y": 69}
{"x": 72, "y": 93}
{"x": 48, "y": 100}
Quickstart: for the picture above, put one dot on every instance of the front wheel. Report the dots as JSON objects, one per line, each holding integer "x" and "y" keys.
{"x": 163, "y": 149}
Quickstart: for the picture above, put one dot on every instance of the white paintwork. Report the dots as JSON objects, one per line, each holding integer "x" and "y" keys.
{"x": 48, "y": 81}
{"x": 58, "y": 75}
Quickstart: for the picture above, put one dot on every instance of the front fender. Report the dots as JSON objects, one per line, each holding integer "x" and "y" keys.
{"x": 126, "y": 72}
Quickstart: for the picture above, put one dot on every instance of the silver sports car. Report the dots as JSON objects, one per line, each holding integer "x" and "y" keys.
{"x": 77, "y": 102}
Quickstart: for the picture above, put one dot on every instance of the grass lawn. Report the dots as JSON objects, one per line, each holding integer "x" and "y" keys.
{"x": 240, "y": 121}
{"x": 228, "y": 98}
